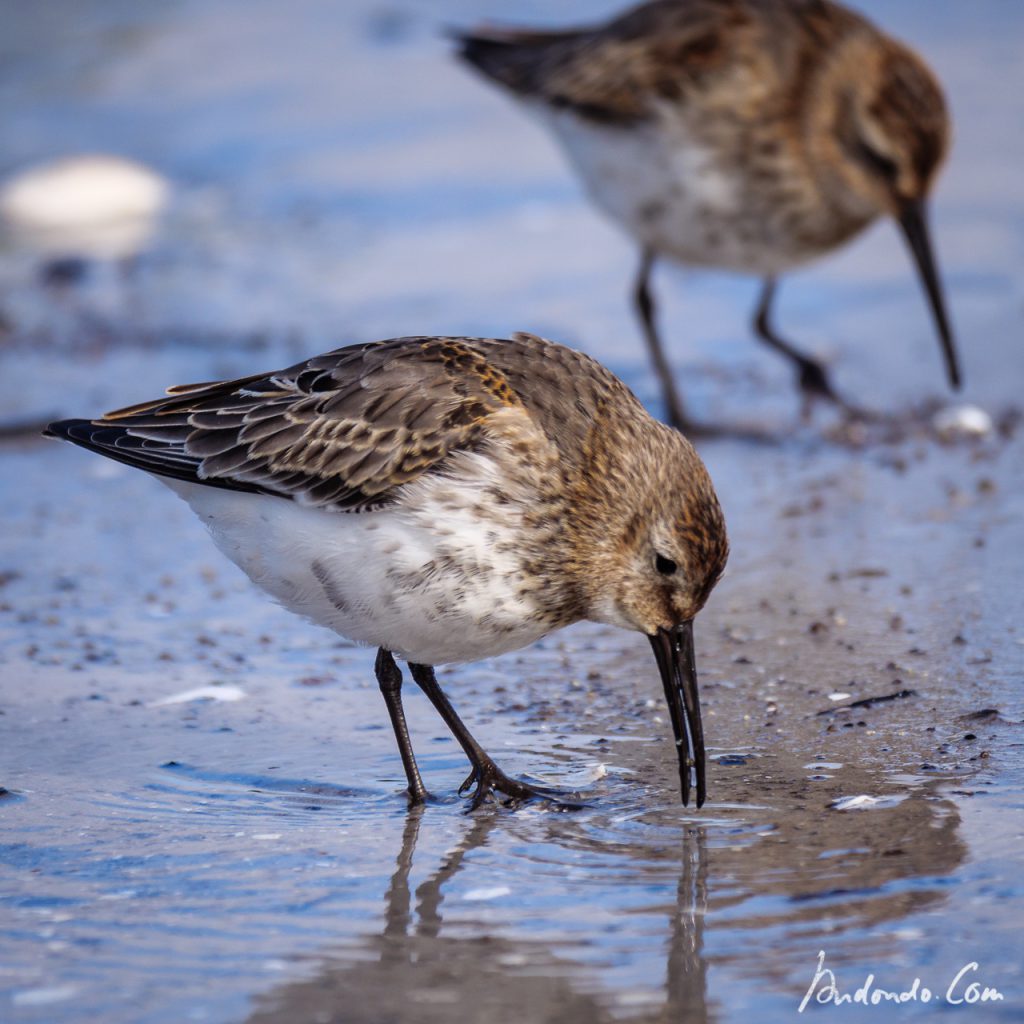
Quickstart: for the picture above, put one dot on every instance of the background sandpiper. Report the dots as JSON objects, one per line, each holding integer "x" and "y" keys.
{"x": 738, "y": 134}
{"x": 447, "y": 499}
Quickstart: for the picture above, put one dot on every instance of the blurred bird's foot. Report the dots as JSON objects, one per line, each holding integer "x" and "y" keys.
{"x": 698, "y": 431}
{"x": 693, "y": 428}
{"x": 815, "y": 386}
{"x": 814, "y": 382}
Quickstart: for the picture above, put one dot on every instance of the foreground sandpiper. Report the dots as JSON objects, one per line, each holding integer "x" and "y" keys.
{"x": 748, "y": 135}
{"x": 447, "y": 499}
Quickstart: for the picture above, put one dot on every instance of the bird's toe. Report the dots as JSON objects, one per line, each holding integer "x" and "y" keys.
{"x": 487, "y": 780}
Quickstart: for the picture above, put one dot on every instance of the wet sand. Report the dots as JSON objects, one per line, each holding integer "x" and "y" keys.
{"x": 252, "y": 859}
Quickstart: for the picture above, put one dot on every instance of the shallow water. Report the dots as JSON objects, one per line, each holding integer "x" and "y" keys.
{"x": 252, "y": 858}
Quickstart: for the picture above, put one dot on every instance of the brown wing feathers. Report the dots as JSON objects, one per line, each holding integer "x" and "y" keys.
{"x": 615, "y": 72}
{"x": 341, "y": 430}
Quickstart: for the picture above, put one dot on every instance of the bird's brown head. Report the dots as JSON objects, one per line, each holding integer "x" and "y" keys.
{"x": 667, "y": 558}
{"x": 881, "y": 130}
{"x": 656, "y": 567}
{"x": 891, "y": 126}
{"x": 667, "y": 549}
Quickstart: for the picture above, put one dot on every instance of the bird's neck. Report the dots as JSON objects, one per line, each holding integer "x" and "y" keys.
{"x": 602, "y": 505}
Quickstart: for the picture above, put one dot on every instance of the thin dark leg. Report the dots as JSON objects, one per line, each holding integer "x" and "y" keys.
{"x": 644, "y": 302}
{"x": 486, "y": 775}
{"x": 811, "y": 375}
{"x": 389, "y": 677}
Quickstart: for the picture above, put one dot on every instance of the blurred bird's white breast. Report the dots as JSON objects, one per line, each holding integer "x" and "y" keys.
{"x": 671, "y": 192}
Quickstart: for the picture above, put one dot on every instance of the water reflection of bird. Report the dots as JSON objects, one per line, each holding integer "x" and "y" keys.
{"x": 687, "y": 970}
{"x": 756, "y": 894}
{"x": 417, "y": 969}
{"x": 447, "y": 499}
{"x": 421, "y": 948}
{"x": 747, "y": 135}
{"x": 81, "y": 208}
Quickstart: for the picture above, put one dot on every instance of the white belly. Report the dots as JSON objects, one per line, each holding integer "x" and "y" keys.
{"x": 672, "y": 194}
{"x": 434, "y": 584}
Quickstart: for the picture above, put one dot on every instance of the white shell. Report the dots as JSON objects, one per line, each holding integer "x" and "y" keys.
{"x": 864, "y": 802}
{"x": 962, "y": 421}
{"x": 97, "y": 206}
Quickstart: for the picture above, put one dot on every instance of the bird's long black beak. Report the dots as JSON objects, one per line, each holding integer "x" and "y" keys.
{"x": 673, "y": 649}
{"x": 914, "y": 221}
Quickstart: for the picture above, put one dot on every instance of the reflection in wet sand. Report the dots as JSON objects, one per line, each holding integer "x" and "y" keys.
{"x": 687, "y": 982}
{"x": 413, "y": 972}
{"x": 808, "y": 880}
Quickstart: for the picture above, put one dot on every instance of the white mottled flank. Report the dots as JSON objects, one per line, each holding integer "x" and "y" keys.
{"x": 427, "y": 578}
{"x": 667, "y": 190}
{"x": 98, "y": 206}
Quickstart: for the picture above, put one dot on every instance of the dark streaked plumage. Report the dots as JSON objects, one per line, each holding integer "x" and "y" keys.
{"x": 446, "y": 499}
{"x": 751, "y": 135}
{"x": 338, "y": 431}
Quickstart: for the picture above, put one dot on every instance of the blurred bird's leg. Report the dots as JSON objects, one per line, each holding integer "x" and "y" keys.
{"x": 644, "y": 302}
{"x": 811, "y": 376}
{"x": 486, "y": 776}
{"x": 389, "y": 678}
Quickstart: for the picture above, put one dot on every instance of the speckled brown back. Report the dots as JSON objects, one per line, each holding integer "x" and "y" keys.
{"x": 345, "y": 429}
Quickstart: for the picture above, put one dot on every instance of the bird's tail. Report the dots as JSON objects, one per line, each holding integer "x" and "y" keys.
{"x": 514, "y": 58}
{"x": 164, "y": 457}
{"x": 68, "y": 430}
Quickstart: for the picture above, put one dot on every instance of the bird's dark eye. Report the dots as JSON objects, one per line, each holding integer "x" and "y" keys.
{"x": 664, "y": 565}
{"x": 882, "y": 165}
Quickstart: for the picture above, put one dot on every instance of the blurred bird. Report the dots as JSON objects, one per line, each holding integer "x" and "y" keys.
{"x": 751, "y": 135}
{"x": 81, "y": 208}
{"x": 447, "y": 499}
